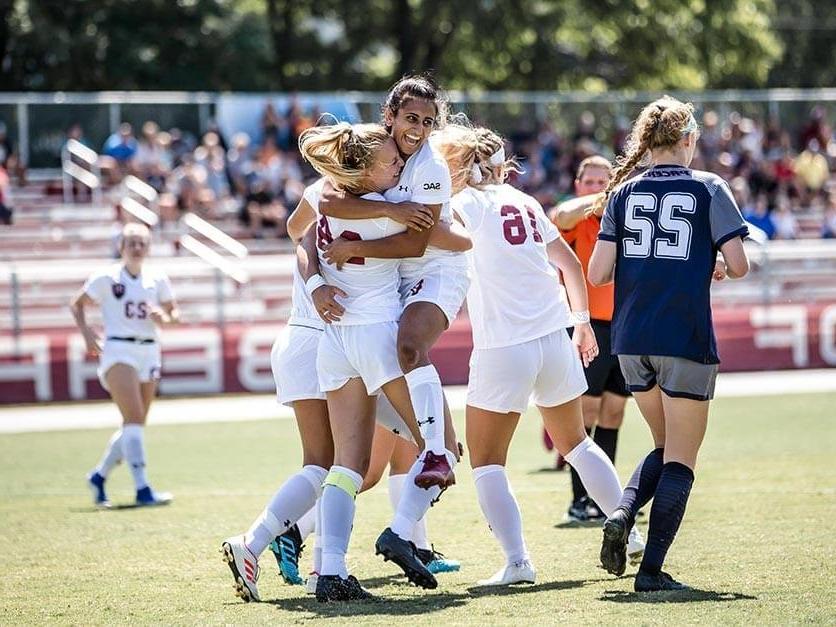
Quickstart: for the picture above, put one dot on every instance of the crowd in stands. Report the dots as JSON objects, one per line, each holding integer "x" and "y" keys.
{"x": 775, "y": 173}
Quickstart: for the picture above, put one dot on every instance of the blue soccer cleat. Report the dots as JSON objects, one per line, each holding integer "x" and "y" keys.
{"x": 96, "y": 484}
{"x": 287, "y": 548}
{"x": 436, "y": 562}
{"x": 146, "y": 497}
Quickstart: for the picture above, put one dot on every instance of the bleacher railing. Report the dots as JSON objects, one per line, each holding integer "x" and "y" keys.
{"x": 74, "y": 157}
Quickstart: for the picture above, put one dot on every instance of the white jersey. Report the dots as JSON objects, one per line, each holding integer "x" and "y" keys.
{"x": 514, "y": 295}
{"x": 425, "y": 179}
{"x": 302, "y": 310}
{"x": 127, "y": 301}
{"x": 371, "y": 284}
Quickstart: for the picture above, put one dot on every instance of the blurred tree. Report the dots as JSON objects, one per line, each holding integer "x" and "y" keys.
{"x": 366, "y": 44}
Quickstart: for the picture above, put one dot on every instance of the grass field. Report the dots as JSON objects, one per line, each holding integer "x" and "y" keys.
{"x": 757, "y": 541}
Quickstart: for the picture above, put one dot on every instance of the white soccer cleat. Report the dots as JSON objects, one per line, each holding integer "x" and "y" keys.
{"x": 518, "y": 572}
{"x": 310, "y": 584}
{"x": 635, "y": 546}
{"x": 244, "y": 567}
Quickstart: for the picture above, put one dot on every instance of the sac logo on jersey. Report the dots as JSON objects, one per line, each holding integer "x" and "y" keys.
{"x": 432, "y": 185}
{"x": 118, "y": 290}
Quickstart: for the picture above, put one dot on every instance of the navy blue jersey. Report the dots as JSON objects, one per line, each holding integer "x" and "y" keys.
{"x": 668, "y": 224}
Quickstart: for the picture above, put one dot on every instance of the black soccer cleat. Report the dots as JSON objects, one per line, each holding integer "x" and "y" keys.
{"x": 659, "y": 582}
{"x": 335, "y": 588}
{"x": 614, "y": 545}
{"x": 404, "y": 554}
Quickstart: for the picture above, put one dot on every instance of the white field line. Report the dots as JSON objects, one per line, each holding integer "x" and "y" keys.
{"x": 240, "y": 407}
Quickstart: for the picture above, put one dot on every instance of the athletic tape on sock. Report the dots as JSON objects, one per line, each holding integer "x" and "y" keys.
{"x": 342, "y": 481}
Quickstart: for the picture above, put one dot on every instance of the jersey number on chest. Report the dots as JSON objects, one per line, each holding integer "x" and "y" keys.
{"x": 669, "y": 237}
{"x": 323, "y": 236}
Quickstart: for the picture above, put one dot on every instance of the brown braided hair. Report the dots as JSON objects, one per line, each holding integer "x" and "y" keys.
{"x": 659, "y": 125}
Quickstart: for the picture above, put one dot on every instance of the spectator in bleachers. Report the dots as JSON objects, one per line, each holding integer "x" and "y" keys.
{"x": 262, "y": 210}
{"x": 239, "y": 163}
{"x": 9, "y": 159}
{"x": 121, "y": 146}
{"x": 5, "y": 200}
{"x": 812, "y": 170}
{"x": 785, "y": 223}
{"x": 829, "y": 223}
{"x": 758, "y": 214}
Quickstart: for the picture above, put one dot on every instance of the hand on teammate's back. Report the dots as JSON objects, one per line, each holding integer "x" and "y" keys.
{"x": 325, "y": 301}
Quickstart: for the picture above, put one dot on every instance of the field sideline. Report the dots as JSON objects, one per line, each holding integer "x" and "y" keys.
{"x": 757, "y": 539}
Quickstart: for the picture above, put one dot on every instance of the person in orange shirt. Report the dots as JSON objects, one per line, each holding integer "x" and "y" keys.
{"x": 606, "y": 398}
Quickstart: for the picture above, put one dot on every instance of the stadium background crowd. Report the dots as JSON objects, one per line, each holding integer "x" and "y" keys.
{"x": 779, "y": 175}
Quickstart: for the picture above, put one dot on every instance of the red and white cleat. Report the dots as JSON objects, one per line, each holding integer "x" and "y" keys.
{"x": 436, "y": 471}
{"x": 244, "y": 567}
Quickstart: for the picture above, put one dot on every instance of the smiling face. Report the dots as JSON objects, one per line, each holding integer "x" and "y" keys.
{"x": 412, "y": 124}
{"x": 386, "y": 168}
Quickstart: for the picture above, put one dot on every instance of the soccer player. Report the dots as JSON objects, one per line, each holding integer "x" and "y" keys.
{"x": 433, "y": 285}
{"x": 134, "y": 302}
{"x": 579, "y": 221}
{"x": 660, "y": 234}
{"x": 519, "y": 313}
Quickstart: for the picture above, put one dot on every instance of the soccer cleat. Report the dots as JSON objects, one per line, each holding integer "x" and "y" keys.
{"x": 146, "y": 497}
{"x": 403, "y": 553}
{"x": 660, "y": 582}
{"x": 593, "y": 512}
{"x": 244, "y": 567}
{"x": 614, "y": 545}
{"x": 335, "y": 588}
{"x": 310, "y": 584}
{"x": 518, "y": 572}
{"x": 436, "y": 562}
{"x": 436, "y": 471}
{"x": 96, "y": 484}
{"x": 635, "y": 546}
{"x": 287, "y": 548}
{"x": 577, "y": 512}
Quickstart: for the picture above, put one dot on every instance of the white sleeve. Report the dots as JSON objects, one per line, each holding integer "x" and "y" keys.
{"x": 469, "y": 209}
{"x": 312, "y": 194}
{"x": 164, "y": 291}
{"x": 96, "y": 287}
{"x": 431, "y": 184}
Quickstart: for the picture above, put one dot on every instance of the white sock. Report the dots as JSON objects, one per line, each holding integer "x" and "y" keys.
{"x": 296, "y": 496}
{"x": 307, "y": 523}
{"x": 133, "y": 450}
{"x": 419, "y": 531}
{"x": 337, "y": 518}
{"x": 428, "y": 404}
{"x": 317, "y": 552}
{"x": 413, "y": 504}
{"x": 501, "y": 510}
{"x": 112, "y": 455}
{"x": 597, "y": 474}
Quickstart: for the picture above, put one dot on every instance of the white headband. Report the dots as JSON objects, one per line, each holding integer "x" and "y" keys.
{"x": 475, "y": 174}
{"x": 498, "y": 158}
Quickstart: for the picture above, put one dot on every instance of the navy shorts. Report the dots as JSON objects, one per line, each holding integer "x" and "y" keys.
{"x": 604, "y": 372}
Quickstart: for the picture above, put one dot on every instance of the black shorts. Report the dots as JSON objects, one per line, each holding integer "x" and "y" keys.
{"x": 604, "y": 373}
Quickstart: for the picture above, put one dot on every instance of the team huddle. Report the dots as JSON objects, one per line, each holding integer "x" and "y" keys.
{"x": 410, "y": 219}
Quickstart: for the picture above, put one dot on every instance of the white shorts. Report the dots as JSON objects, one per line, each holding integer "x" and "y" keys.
{"x": 293, "y": 361}
{"x": 388, "y": 418}
{"x": 442, "y": 283}
{"x": 367, "y": 351}
{"x": 548, "y": 369}
{"x": 144, "y": 358}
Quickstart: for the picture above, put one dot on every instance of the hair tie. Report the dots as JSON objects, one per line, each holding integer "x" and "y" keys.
{"x": 475, "y": 174}
{"x": 498, "y": 158}
{"x": 690, "y": 125}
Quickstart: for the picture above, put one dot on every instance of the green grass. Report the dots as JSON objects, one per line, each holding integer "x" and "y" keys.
{"x": 758, "y": 537}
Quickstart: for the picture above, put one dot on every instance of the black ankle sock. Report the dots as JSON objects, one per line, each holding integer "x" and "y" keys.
{"x": 666, "y": 513}
{"x": 607, "y": 439}
{"x": 642, "y": 485}
{"x": 578, "y": 491}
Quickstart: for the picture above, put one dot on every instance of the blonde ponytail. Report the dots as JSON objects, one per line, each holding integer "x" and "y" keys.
{"x": 343, "y": 152}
